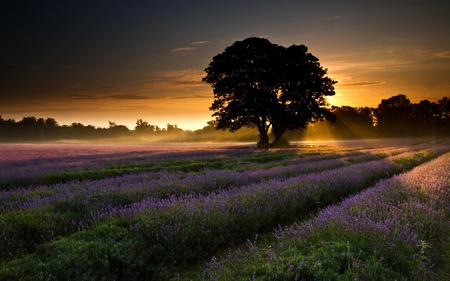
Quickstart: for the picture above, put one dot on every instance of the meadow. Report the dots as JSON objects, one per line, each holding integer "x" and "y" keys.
{"x": 360, "y": 210}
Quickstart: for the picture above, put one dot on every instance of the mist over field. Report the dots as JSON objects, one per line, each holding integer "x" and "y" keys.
{"x": 395, "y": 117}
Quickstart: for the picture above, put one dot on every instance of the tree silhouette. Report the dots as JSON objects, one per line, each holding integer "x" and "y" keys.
{"x": 394, "y": 115}
{"x": 444, "y": 111}
{"x": 51, "y": 123}
{"x": 143, "y": 126}
{"x": 425, "y": 118}
{"x": 264, "y": 85}
{"x": 353, "y": 122}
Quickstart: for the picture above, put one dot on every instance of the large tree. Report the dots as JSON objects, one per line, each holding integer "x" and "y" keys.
{"x": 264, "y": 85}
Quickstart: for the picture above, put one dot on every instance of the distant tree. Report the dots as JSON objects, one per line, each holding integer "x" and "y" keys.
{"x": 40, "y": 129}
{"x": 354, "y": 116}
{"x": 3, "y": 129}
{"x": 27, "y": 127}
{"x": 425, "y": 112}
{"x": 443, "y": 107}
{"x": 40, "y": 123}
{"x": 51, "y": 129}
{"x": 120, "y": 128}
{"x": 173, "y": 128}
{"x": 115, "y": 130}
{"x": 393, "y": 116}
{"x": 425, "y": 118}
{"x": 264, "y": 85}
{"x": 111, "y": 124}
{"x": 8, "y": 129}
{"x": 353, "y": 122}
{"x": 143, "y": 126}
{"x": 28, "y": 122}
{"x": 210, "y": 125}
{"x": 51, "y": 123}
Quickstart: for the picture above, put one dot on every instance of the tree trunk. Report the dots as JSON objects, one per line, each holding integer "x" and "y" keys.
{"x": 279, "y": 140}
{"x": 263, "y": 139}
{"x": 281, "y": 143}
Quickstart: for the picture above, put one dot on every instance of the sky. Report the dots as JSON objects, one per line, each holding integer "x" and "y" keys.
{"x": 97, "y": 61}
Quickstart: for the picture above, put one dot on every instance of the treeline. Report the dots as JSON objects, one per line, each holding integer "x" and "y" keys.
{"x": 394, "y": 117}
{"x": 32, "y": 129}
{"x": 40, "y": 129}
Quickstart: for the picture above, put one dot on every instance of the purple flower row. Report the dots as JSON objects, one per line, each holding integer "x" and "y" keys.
{"x": 27, "y": 161}
{"x": 79, "y": 206}
{"x": 131, "y": 188}
{"x": 244, "y": 206}
{"x": 23, "y": 161}
{"x": 230, "y": 215}
{"x": 201, "y": 222}
{"x": 402, "y": 219}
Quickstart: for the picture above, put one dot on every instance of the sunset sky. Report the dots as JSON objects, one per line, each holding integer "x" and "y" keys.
{"x": 98, "y": 61}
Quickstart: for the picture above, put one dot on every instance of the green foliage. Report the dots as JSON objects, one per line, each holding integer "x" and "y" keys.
{"x": 330, "y": 260}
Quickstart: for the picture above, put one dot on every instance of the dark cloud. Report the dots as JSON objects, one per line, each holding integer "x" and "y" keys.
{"x": 35, "y": 111}
{"x": 182, "y": 78}
{"x": 76, "y": 86}
{"x": 8, "y": 68}
{"x": 37, "y": 66}
{"x": 188, "y": 82}
{"x": 112, "y": 96}
{"x": 85, "y": 96}
{"x": 130, "y": 97}
{"x": 366, "y": 83}
{"x": 12, "y": 68}
{"x": 443, "y": 55}
{"x": 110, "y": 86}
{"x": 192, "y": 97}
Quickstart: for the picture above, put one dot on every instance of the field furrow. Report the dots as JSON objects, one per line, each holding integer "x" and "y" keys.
{"x": 51, "y": 170}
{"x": 396, "y": 230}
{"x": 65, "y": 213}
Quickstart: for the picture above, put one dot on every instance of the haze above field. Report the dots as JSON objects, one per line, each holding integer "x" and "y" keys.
{"x": 109, "y": 61}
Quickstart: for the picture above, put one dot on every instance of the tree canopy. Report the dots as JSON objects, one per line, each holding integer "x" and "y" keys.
{"x": 260, "y": 84}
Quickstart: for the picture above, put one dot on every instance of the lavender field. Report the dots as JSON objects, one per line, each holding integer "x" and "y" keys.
{"x": 373, "y": 210}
